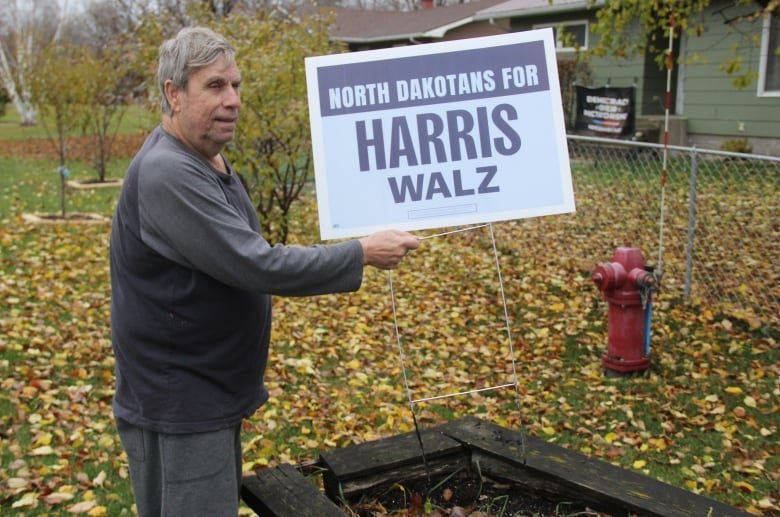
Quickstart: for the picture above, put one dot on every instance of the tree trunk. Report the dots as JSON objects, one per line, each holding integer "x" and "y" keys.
{"x": 28, "y": 115}
{"x": 21, "y": 100}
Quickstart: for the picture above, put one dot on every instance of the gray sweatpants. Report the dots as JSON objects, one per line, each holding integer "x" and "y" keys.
{"x": 183, "y": 474}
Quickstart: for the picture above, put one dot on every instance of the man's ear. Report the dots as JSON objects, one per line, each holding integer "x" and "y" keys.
{"x": 172, "y": 94}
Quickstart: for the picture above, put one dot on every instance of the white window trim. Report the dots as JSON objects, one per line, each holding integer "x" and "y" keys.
{"x": 764, "y": 58}
{"x": 564, "y": 24}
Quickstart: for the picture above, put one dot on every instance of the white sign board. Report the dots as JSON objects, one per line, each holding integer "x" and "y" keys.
{"x": 441, "y": 134}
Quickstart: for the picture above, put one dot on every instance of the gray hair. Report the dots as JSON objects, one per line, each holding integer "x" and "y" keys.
{"x": 192, "y": 48}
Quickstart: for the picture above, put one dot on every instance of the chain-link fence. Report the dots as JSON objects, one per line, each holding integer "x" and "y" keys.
{"x": 718, "y": 238}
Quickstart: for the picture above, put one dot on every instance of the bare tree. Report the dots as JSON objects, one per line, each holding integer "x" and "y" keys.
{"x": 59, "y": 90}
{"x": 104, "y": 20}
{"x": 26, "y": 27}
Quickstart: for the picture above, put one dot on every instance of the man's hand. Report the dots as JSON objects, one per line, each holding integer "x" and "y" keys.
{"x": 385, "y": 249}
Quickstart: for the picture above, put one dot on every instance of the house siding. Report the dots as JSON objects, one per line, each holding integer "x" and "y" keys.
{"x": 707, "y": 108}
{"x": 716, "y": 109}
{"x": 712, "y": 108}
{"x": 610, "y": 70}
{"x": 620, "y": 72}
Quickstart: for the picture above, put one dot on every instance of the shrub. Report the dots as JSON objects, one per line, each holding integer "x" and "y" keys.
{"x": 737, "y": 145}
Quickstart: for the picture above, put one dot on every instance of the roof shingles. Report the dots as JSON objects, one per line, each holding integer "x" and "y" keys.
{"x": 355, "y": 25}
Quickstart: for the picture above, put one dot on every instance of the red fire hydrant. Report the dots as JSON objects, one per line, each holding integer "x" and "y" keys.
{"x": 626, "y": 285}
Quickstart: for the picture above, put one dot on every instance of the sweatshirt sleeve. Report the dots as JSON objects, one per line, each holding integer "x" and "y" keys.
{"x": 186, "y": 217}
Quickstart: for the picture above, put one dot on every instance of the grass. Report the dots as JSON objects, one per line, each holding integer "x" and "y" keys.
{"x": 705, "y": 417}
{"x": 137, "y": 118}
{"x": 34, "y": 186}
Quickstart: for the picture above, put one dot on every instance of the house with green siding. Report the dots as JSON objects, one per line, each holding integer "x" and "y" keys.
{"x": 709, "y": 108}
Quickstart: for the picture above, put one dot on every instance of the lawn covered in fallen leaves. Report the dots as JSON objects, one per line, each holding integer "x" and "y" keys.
{"x": 704, "y": 417}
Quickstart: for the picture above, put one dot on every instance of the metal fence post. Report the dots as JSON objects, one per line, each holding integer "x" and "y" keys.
{"x": 691, "y": 224}
{"x": 732, "y": 219}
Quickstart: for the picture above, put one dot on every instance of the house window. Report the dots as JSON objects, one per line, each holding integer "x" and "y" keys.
{"x": 769, "y": 73}
{"x": 569, "y": 36}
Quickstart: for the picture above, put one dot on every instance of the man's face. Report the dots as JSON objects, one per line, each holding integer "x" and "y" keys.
{"x": 206, "y": 111}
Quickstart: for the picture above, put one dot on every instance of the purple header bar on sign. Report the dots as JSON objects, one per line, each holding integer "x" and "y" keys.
{"x": 432, "y": 79}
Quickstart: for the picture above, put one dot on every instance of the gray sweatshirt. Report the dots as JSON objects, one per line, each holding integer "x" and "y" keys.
{"x": 191, "y": 279}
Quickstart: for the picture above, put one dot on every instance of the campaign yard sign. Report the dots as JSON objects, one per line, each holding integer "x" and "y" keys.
{"x": 437, "y": 135}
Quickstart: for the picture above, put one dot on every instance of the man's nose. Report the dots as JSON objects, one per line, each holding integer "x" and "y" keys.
{"x": 232, "y": 97}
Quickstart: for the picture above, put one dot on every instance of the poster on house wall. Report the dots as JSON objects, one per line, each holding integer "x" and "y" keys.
{"x": 605, "y": 111}
{"x": 438, "y": 135}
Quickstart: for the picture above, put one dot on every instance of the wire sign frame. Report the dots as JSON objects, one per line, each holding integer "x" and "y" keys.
{"x": 514, "y": 384}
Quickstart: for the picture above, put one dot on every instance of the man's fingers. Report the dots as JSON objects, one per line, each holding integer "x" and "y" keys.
{"x": 386, "y": 249}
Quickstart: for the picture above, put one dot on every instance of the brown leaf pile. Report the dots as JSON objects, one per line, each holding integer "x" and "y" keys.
{"x": 78, "y": 148}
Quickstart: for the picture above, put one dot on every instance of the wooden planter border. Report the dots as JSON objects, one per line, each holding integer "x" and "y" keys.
{"x": 497, "y": 452}
{"x": 87, "y": 185}
{"x": 70, "y": 218}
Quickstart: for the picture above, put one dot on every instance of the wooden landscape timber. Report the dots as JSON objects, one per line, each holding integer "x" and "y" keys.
{"x": 540, "y": 467}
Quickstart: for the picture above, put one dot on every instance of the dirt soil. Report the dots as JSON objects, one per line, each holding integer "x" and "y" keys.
{"x": 466, "y": 495}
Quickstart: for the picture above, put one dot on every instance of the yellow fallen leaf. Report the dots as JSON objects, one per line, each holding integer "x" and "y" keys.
{"x": 733, "y": 390}
{"x": 99, "y": 479}
{"x": 82, "y": 507}
{"x": 42, "y": 451}
{"x": 610, "y": 437}
{"x": 29, "y": 391}
{"x": 98, "y": 511}
{"x": 430, "y": 373}
{"x": 549, "y": 431}
{"x": 745, "y": 486}
{"x": 354, "y": 364}
{"x": 28, "y": 499}
{"x": 14, "y": 483}
{"x": 749, "y": 401}
{"x": 44, "y": 439}
{"x": 356, "y": 382}
{"x": 658, "y": 443}
{"x": 639, "y": 464}
{"x": 57, "y": 498}
{"x": 557, "y": 307}
{"x": 106, "y": 441}
{"x": 718, "y": 410}
{"x": 67, "y": 489}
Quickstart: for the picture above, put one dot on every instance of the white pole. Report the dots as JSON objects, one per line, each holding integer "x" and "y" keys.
{"x": 667, "y": 107}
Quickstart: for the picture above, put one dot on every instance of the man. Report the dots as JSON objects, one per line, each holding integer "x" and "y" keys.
{"x": 191, "y": 280}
